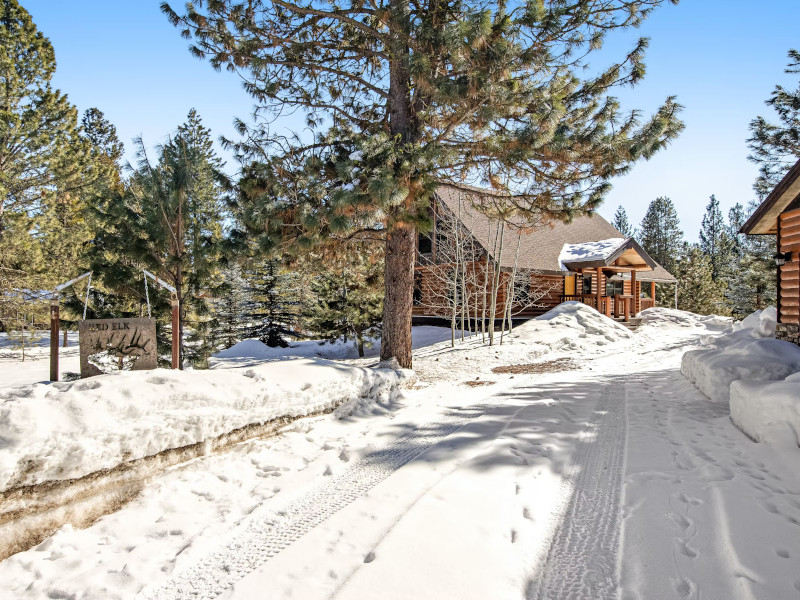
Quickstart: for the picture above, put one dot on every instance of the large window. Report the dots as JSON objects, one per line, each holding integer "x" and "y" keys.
{"x": 417, "y": 288}
{"x": 614, "y": 288}
{"x": 424, "y": 244}
{"x": 587, "y": 285}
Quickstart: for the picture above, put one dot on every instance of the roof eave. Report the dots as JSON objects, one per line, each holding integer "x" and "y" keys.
{"x": 765, "y": 216}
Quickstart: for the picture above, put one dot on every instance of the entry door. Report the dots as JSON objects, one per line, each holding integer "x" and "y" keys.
{"x": 569, "y": 285}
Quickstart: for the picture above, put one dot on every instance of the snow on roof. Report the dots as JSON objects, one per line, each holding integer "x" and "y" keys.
{"x": 589, "y": 251}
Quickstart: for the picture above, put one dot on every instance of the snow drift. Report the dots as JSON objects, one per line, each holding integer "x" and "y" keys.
{"x": 68, "y": 430}
{"x": 768, "y": 411}
{"x": 574, "y": 324}
{"x": 662, "y": 318}
{"x": 748, "y": 352}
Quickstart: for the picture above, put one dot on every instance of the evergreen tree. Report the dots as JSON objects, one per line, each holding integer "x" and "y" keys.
{"x": 754, "y": 284}
{"x": 736, "y": 219}
{"x": 714, "y": 240}
{"x": 775, "y": 147}
{"x": 697, "y": 290}
{"x": 348, "y": 298}
{"x": 168, "y": 219}
{"x": 621, "y": 223}
{"x": 229, "y": 309}
{"x": 40, "y": 147}
{"x": 660, "y": 233}
{"x": 44, "y": 161}
{"x": 272, "y": 307}
{"x": 753, "y": 287}
{"x": 403, "y": 96}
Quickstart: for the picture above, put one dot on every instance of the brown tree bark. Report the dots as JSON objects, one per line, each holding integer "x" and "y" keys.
{"x": 398, "y": 298}
{"x": 400, "y": 237}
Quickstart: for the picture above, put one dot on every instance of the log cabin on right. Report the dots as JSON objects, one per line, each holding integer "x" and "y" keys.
{"x": 779, "y": 215}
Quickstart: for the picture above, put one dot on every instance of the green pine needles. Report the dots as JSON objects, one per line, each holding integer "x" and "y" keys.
{"x": 400, "y": 96}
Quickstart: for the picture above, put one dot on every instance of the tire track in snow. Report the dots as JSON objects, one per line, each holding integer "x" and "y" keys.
{"x": 265, "y": 537}
{"x": 582, "y": 563}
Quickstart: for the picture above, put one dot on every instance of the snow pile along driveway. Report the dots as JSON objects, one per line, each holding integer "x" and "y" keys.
{"x": 768, "y": 411}
{"x": 747, "y": 353}
{"x": 661, "y": 318}
{"x": 571, "y": 325}
{"x": 68, "y": 430}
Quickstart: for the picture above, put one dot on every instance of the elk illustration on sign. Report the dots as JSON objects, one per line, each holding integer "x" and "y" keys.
{"x": 117, "y": 345}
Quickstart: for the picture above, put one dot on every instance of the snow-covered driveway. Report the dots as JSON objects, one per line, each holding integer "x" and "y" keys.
{"x": 617, "y": 479}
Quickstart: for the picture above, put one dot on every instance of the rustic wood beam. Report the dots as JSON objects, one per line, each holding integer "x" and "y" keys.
{"x": 599, "y": 290}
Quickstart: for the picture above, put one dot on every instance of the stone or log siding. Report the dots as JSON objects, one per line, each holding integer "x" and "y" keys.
{"x": 789, "y": 273}
{"x": 789, "y": 332}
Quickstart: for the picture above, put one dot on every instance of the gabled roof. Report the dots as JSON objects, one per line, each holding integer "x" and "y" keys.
{"x": 787, "y": 193}
{"x": 540, "y": 245}
{"x": 617, "y": 251}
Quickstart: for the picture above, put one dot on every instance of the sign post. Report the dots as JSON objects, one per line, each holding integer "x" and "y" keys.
{"x": 55, "y": 325}
{"x": 176, "y": 334}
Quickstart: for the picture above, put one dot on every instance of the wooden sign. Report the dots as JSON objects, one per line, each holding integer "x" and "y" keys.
{"x": 109, "y": 345}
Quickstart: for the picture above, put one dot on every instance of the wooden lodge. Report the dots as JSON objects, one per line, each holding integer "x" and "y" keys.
{"x": 779, "y": 215}
{"x": 587, "y": 260}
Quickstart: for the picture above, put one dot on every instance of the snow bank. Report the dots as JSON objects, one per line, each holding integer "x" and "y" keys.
{"x": 747, "y": 352}
{"x": 713, "y": 370}
{"x": 761, "y": 322}
{"x": 768, "y": 411}
{"x": 661, "y": 318}
{"x": 574, "y": 322}
{"x": 254, "y": 352}
{"x": 251, "y": 352}
{"x": 68, "y": 430}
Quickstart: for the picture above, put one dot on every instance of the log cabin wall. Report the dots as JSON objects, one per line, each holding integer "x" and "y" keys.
{"x": 431, "y": 297}
{"x": 789, "y": 273}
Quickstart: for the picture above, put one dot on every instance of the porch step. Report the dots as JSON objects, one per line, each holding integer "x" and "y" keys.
{"x": 632, "y": 324}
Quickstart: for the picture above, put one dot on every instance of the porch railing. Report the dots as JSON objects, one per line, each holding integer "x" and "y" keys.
{"x": 609, "y": 305}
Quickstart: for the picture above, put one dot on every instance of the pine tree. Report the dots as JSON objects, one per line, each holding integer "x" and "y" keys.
{"x": 621, "y": 223}
{"x": 272, "y": 307}
{"x": 40, "y": 147}
{"x": 754, "y": 284}
{"x": 348, "y": 298}
{"x": 776, "y": 147}
{"x": 753, "y": 287}
{"x": 697, "y": 290}
{"x": 44, "y": 161}
{"x": 660, "y": 233}
{"x": 714, "y": 240}
{"x": 168, "y": 219}
{"x": 405, "y": 96}
{"x": 229, "y": 325}
{"x": 736, "y": 219}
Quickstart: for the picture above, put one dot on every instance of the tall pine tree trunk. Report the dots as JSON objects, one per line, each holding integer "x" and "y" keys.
{"x": 400, "y": 242}
{"x": 399, "y": 289}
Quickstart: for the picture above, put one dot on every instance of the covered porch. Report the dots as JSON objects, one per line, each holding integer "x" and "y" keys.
{"x": 607, "y": 275}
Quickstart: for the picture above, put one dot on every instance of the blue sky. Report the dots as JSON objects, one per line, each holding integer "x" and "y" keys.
{"x": 721, "y": 58}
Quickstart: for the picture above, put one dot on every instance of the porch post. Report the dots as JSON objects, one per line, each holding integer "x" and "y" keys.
{"x": 599, "y": 290}
{"x": 653, "y": 291}
{"x": 54, "y": 331}
{"x": 635, "y": 307}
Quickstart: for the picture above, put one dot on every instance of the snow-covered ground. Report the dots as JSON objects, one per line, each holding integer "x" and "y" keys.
{"x": 66, "y": 430}
{"x": 605, "y": 475}
{"x": 36, "y": 366}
